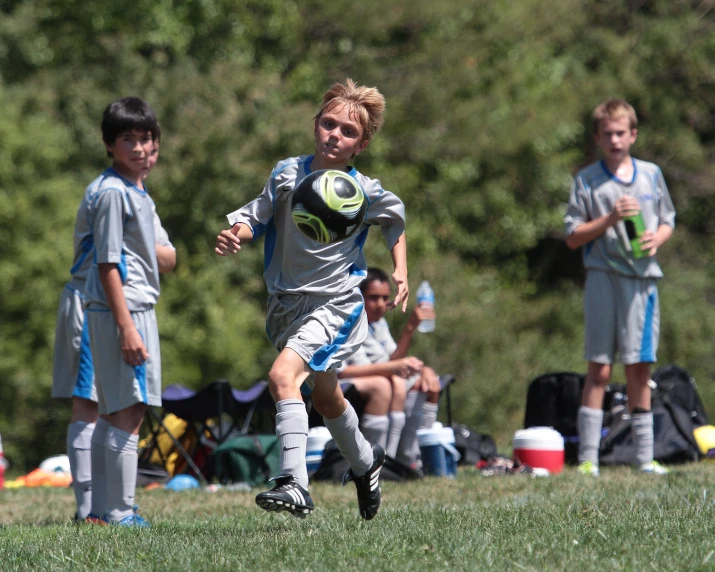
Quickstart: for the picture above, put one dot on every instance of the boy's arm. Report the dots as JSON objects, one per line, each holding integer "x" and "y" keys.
{"x": 165, "y": 258}
{"x": 404, "y": 367}
{"x": 229, "y": 241}
{"x": 591, "y": 230}
{"x": 133, "y": 349}
{"x": 419, "y": 313}
{"x": 399, "y": 276}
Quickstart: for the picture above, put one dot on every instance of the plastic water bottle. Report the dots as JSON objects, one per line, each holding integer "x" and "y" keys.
{"x": 425, "y": 296}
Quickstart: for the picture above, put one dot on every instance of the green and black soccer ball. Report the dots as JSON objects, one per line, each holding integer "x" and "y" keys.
{"x": 328, "y": 206}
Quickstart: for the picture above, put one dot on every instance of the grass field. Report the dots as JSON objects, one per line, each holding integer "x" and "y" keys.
{"x": 566, "y": 522}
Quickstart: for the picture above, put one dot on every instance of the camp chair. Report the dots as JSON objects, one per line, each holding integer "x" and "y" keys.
{"x": 215, "y": 413}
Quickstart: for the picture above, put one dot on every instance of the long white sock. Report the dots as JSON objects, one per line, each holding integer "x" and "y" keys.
{"x": 429, "y": 415}
{"x": 121, "y": 459}
{"x": 590, "y": 423}
{"x": 292, "y": 432}
{"x": 79, "y": 451}
{"x": 350, "y": 441}
{"x": 408, "y": 451}
{"x": 397, "y": 424}
{"x": 643, "y": 437}
{"x": 99, "y": 467}
{"x": 374, "y": 428}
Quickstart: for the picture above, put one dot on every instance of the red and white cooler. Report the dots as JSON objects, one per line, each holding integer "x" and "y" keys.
{"x": 540, "y": 448}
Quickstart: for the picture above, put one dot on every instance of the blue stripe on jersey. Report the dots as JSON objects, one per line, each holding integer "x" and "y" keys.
{"x": 612, "y": 176}
{"x": 587, "y": 249}
{"x": 319, "y": 361}
{"x": 87, "y": 246}
{"x": 122, "y": 267}
{"x": 85, "y": 375}
{"x": 647, "y": 349}
{"x": 269, "y": 244}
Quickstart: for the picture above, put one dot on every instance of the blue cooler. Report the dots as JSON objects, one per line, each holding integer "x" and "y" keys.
{"x": 318, "y": 437}
{"x": 439, "y": 456}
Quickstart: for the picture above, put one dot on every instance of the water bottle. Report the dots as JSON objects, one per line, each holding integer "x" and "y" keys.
{"x": 635, "y": 227}
{"x": 425, "y": 296}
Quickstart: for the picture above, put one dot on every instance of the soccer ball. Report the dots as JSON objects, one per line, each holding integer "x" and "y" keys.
{"x": 328, "y": 206}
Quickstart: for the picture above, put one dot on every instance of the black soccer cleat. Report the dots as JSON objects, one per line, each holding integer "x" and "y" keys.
{"x": 286, "y": 496}
{"x": 368, "y": 485}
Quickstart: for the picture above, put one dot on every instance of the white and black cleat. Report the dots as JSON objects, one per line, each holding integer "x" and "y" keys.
{"x": 368, "y": 485}
{"x": 286, "y": 496}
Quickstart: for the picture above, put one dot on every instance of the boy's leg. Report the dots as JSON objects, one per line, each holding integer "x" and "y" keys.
{"x": 408, "y": 450}
{"x": 431, "y": 404}
{"x": 121, "y": 458}
{"x": 590, "y": 414}
{"x": 397, "y": 414}
{"x": 377, "y": 393}
{"x": 99, "y": 467}
{"x": 637, "y": 378}
{"x": 79, "y": 452}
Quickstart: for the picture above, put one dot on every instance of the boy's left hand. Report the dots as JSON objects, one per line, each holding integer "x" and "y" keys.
{"x": 649, "y": 243}
{"x": 403, "y": 291}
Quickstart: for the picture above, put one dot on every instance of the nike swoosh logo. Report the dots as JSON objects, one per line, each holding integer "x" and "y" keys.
{"x": 289, "y": 448}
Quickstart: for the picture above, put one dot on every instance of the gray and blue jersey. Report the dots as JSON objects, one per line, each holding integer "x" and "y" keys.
{"x": 594, "y": 194}
{"x": 378, "y": 346}
{"x": 121, "y": 219}
{"x": 295, "y": 264}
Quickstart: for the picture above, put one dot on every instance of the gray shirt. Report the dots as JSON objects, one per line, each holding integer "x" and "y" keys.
{"x": 594, "y": 194}
{"x": 121, "y": 221}
{"x": 296, "y": 264}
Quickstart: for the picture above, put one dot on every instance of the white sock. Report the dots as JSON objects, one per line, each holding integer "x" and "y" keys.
{"x": 374, "y": 428}
{"x": 397, "y": 424}
{"x": 429, "y": 415}
{"x": 351, "y": 443}
{"x": 408, "y": 451}
{"x": 121, "y": 460}
{"x": 79, "y": 451}
{"x": 590, "y": 423}
{"x": 99, "y": 467}
{"x": 292, "y": 432}
{"x": 643, "y": 437}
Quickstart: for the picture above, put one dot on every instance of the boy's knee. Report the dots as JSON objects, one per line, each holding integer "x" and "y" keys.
{"x": 398, "y": 386}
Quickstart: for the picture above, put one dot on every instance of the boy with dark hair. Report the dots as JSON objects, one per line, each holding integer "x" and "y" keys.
{"x": 415, "y": 387}
{"x": 121, "y": 291}
{"x": 73, "y": 371}
{"x": 315, "y": 308}
{"x": 621, "y": 306}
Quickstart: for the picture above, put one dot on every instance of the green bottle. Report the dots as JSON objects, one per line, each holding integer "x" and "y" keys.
{"x": 635, "y": 227}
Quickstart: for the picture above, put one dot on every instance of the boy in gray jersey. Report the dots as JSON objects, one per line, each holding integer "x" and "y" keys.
{"x": 315, "y": 308}
{"x": 73, "y": 371}
{"x": 415, "y": 387}
{"x": 621, "y": 307}
{"x": 121, "y": 291}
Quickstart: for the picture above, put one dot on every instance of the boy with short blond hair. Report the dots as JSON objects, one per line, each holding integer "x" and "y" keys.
{"x": 621, "y": 307}
{"x": 316, "y": 315}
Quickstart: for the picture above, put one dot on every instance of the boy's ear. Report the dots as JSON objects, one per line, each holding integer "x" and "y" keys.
{"x": 363, "y": 145}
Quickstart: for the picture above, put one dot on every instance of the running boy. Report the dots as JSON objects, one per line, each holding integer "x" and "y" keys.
{"x": 621, "y": 297}
{"x": 415, "y": 387}
{"x": 121, "y": 291}
{"x": 73, "y": 372}
{"x": 315, "y": 309}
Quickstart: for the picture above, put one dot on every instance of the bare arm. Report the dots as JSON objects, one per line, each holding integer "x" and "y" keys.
{"x": 652, "y": 241}
{"x": 419, "y": 313}
{"x": 591, "y": 230}
{"x": 133, "y": 349}
{"x": 165, "y": 258}
{"x": 404, "y": 367}
{"x": 399, "y": 276}
{"x": 229, "y": 241}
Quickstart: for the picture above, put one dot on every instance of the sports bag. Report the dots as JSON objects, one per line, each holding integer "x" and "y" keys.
{"x": 250, "y": 459}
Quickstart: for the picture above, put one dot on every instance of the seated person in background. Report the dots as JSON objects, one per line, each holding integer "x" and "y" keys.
{"x": 401, "y": 392}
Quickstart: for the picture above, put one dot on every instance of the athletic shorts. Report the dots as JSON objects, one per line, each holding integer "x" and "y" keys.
{"x": 72, "y": 371}
{"x": 322, "y": 330}
{"x": 120, "y": 385}
{"x": 622, "y": 318}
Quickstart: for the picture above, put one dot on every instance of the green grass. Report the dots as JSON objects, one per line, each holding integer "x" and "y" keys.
{"x": 621, "y": 521}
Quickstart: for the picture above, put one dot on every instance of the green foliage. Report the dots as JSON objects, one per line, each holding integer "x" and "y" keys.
{"x": 487, "y": 119}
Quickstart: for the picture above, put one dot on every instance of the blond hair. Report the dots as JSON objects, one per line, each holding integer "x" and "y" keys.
{"x": 614, "y": 109}
{"x": 366, "y": 103}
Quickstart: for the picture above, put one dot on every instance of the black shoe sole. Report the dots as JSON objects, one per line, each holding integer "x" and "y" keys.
{"x": 275, "y": 505}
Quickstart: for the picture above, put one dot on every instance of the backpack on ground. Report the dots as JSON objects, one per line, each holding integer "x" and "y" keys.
{"x": 472, "y": 445}
{"x": 250, "y": 459}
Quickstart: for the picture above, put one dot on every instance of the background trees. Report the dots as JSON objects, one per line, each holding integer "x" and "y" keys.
{"x": 488, "y": 106}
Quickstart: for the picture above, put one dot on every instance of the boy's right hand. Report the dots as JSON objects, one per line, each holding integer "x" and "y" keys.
{"x": 133, "y": 349}
{"x": 227, "y": 243}
{"x": 407, "y": 366}
{"x": 625, "y": 206}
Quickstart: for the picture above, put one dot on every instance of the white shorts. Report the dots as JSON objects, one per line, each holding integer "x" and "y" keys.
{"x": 622, "y": 317}
{"x": 322, "y": 330}
{"x": 72, "y": 370}
{"x": 120, "y": 385}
